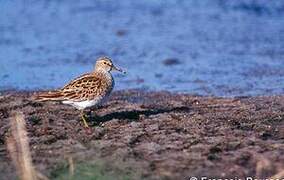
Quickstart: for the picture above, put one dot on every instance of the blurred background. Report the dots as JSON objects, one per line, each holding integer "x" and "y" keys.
{"x": 208, "y": 47}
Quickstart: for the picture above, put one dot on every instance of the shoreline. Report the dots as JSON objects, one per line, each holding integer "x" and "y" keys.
{"x": 17, "y": 91}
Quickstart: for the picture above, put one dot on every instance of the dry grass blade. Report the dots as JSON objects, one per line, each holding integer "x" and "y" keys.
{"x": 12, "y": 149}
{"x": 71, "y": 166}
{"x": 18, "y": 148}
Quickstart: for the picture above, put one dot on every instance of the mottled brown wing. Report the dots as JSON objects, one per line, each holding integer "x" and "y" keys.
{"x": 85, "y": 87}
{"x": 48, "y": 96}
{"x": 74, "y": 81}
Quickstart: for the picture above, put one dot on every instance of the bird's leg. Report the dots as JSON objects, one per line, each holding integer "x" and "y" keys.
{"x": 83, "y": 117}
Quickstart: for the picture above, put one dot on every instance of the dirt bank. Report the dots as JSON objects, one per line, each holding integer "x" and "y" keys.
{"x": 154, "y": 136}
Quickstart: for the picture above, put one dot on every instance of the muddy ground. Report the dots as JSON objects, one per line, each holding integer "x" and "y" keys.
{"x": 154, "y": 135}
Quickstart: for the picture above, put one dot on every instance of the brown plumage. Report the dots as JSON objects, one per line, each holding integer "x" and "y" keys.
{"x": 46, "y": 96}
{"x": 87, "y": 90}
{"x": 85, "y": 87}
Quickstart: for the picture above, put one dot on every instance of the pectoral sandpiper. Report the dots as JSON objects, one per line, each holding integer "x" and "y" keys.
{"x": 87, "y": 90}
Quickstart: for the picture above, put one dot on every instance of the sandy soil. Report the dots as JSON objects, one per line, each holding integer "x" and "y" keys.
{"x": 156, "y": 135}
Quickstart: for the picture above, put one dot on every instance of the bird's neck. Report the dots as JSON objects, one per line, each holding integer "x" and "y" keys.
{"x": 103, "y": 73}
{"x": 106, "y": 75}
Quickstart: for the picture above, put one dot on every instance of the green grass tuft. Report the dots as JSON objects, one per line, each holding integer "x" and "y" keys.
{"x": 90, "y": 171}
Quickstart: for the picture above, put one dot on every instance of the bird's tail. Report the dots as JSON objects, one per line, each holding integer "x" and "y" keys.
{"x": 48, "y": 96}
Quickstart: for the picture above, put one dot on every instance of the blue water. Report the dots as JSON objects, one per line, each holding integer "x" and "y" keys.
{"x": 222, "y": 48}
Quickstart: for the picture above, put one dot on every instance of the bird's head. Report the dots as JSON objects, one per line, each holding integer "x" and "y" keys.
{"x": 105, "y": 64}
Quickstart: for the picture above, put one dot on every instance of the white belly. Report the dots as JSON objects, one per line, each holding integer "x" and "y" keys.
{"x": 85, "y": 104}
